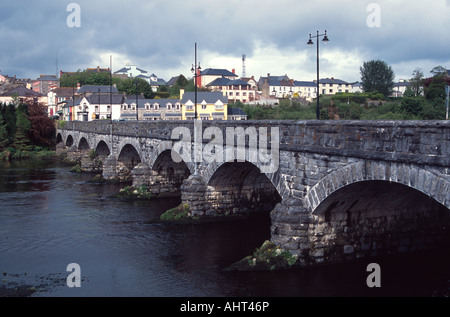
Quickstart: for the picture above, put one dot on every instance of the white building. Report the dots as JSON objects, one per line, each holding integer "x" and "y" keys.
{"x": 305, "y": 89}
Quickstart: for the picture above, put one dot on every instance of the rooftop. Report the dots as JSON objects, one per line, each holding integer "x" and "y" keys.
{"x": 95, "y": 88}
{"x": 209, "y": 97}
{"x": 21, "y": 91}
{"x": 217, "y": 72}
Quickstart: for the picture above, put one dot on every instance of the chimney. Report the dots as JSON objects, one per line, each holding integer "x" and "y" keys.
{"x": 233, "y": 71}
{"x": 78, "y": 85}
{"x": 181, "y": 93}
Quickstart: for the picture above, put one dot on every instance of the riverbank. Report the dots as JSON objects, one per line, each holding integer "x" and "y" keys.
{"x": 11, "y": 154}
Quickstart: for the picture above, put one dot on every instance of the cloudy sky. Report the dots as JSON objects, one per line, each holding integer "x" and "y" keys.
{"x": 159, "y": 36}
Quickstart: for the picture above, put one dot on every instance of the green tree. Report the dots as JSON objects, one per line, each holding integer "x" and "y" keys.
{"x": 23, "y": 125}
{"x": 438, "y": 70}
{"x": 181, "y": 83}
{"x": 129, "y": 87}
{"x": 413, "y": 105}
{"x": 435, "y": 87}
{"x": 376, "y": 75}
{"x": 4, "y": 138}
{"x": 417, "y": 81}
{"x": 9, "y": 117}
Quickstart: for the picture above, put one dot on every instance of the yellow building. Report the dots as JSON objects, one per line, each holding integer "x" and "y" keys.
{"x": 210, "y": 105}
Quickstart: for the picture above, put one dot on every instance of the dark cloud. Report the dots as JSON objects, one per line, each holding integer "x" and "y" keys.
{"x": 161, "y": 34}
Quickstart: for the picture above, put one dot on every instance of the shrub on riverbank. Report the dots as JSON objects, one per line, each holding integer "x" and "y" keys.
{"x": 176, "y": 214}
{"x": 133, "y": 193}
{"x": 11, "y": 154}
{"x": 268, "y": 257}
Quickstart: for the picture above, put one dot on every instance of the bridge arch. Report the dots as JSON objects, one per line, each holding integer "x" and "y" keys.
{"x": 165, "y": 146}
{"x": 129, "y": 156}
{"x": 275, "y": 178}
{"x": 83, "y": 145}
{"x": 59, "y": 138}
{"x": 167, "y": 174}
{"x": 69, "y": 141}
{"x": 417, "y": 178}
{"x": 372, "y": 208}
{"x": 130, "y": 144}
{"x": 102, "y": 149}
{"x": 242, "y": 187}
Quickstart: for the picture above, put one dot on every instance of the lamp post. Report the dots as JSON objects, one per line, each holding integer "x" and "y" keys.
{"x": 311, "y": 43}
{"x": 137, "y": 108}
{"x": 195, "y": 70}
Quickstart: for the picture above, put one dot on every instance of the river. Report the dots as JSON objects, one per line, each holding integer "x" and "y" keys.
{"x": 50, "y": 218}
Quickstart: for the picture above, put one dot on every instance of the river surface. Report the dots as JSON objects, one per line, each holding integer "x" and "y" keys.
{"x": 50, "y": 218}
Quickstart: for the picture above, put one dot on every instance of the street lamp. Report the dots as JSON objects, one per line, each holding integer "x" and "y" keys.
{"x": 137, "y": 108}
{"x": 311, "y": 43}
{"x": 195, "y": 71}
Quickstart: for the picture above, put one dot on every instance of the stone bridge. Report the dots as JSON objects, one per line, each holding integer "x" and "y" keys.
{"x": 335, "y": 190}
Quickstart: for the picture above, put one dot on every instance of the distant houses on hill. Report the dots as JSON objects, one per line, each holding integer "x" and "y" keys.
{"x": 86, "y": 103}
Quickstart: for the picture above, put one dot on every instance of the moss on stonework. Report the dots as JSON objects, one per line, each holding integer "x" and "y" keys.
{"x": 180, "y": 212}
{"x": 268, "y": 257}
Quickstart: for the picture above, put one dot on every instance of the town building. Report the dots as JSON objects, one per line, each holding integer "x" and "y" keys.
{"x": 132, "y": 71}
{"x": 252, "y": 82}
{"x": 151, "y": 109}
{"x": 210, "y": 105}
{"x": 45, "y": 83}
{"x": 93, "y": 107}
{"x": 234, "y": 89}
{"x": 208, "y": 75}
{"x": 92, "y": 102}
{"x": 276, "y": 86}
{"x": 56, "y": 98}
{"x": 306, "y": 90}
{"x": 234, "y": 113}
{"x": 22, "y": 94}
{"x": 332, "y": 86}
{"x": 400, "y": 88}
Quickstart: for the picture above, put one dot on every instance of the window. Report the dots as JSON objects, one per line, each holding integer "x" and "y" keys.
{"x": 203, "y": 107}
{"x": 169, "y": 107}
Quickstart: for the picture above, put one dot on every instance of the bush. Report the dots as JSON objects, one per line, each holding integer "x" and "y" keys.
{"x": 175, "y": 214}
{"x": 135, "y": 193}
{"x": 268, "y": 257}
